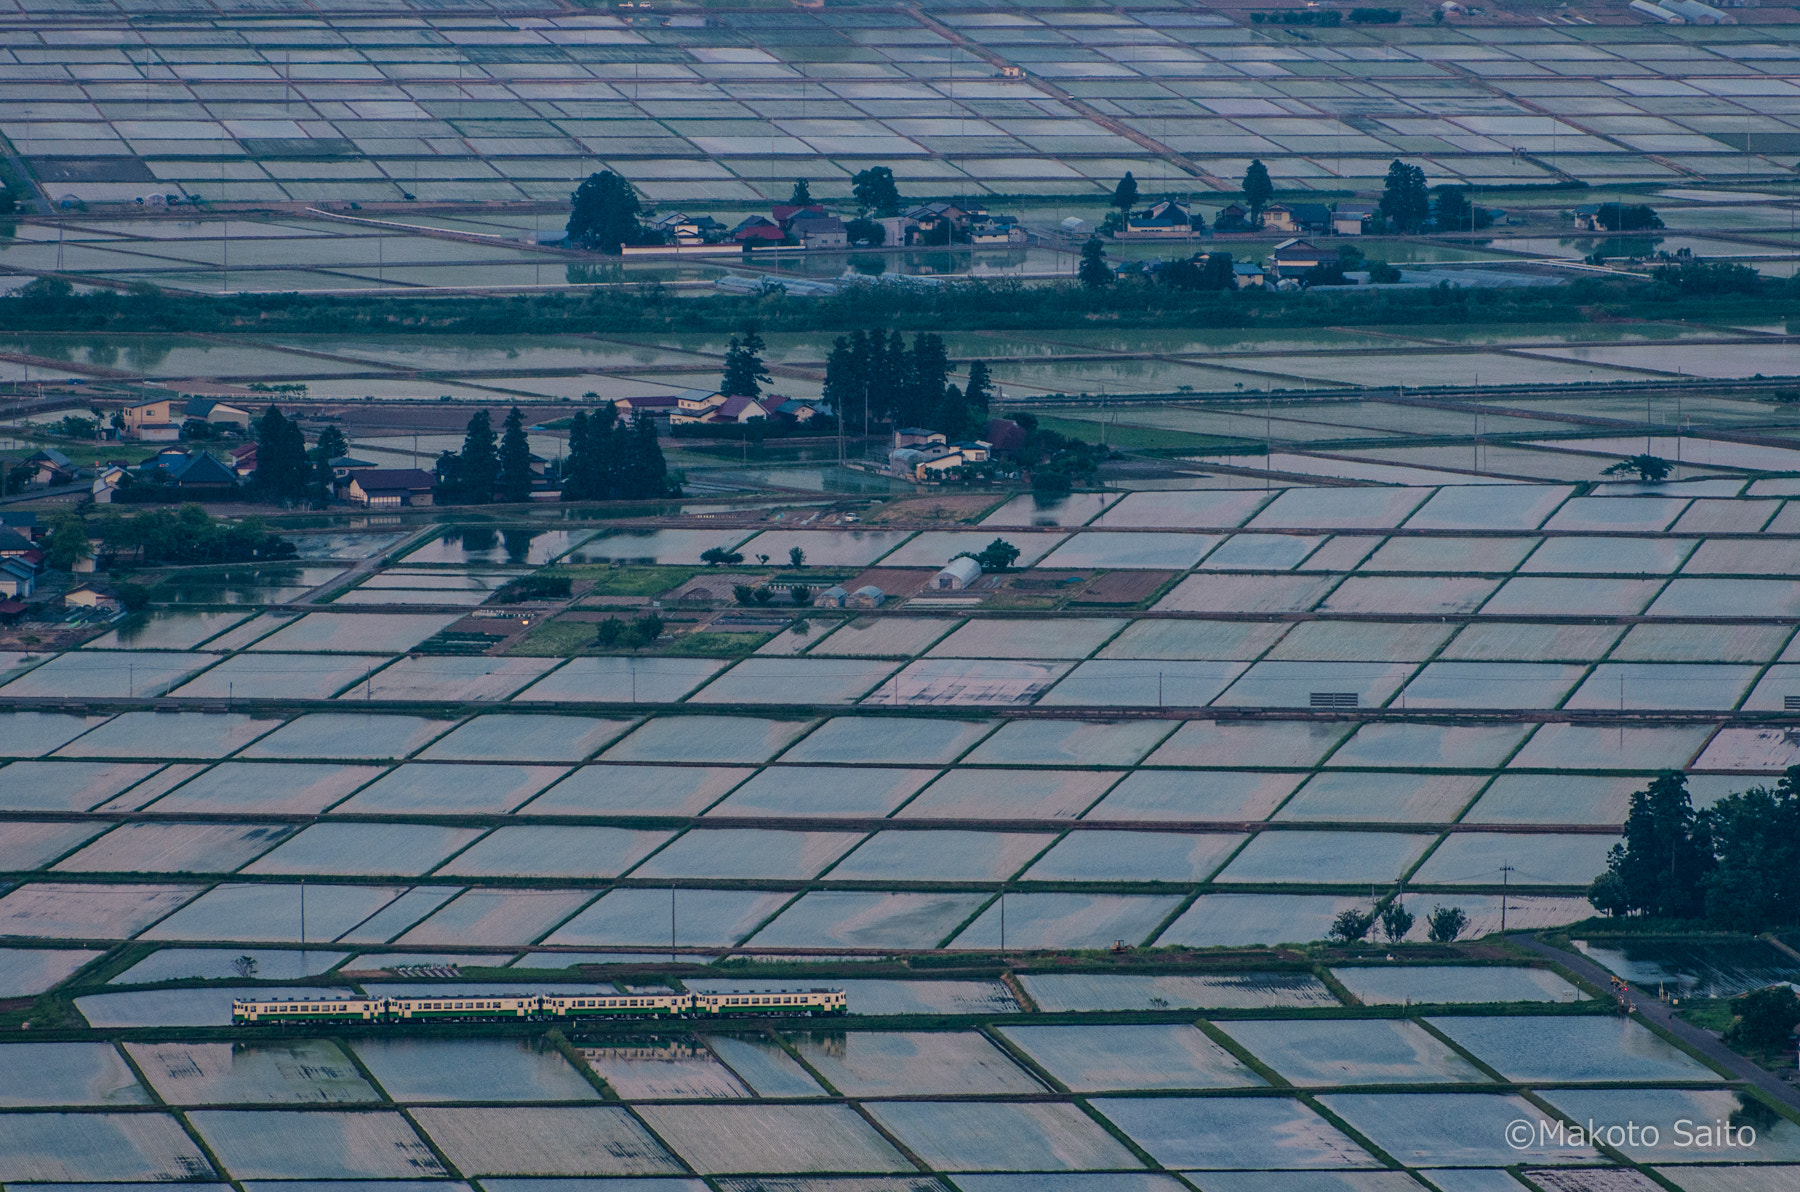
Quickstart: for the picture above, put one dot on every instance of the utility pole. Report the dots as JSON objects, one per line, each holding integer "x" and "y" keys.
{"x": 1506, "y": 872}
{"x": 1003, "y": 922}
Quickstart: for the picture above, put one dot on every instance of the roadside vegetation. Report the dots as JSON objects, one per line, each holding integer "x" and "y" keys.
{"x": 1698, "y": 291}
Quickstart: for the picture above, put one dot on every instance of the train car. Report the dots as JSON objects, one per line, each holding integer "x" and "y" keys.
{"x": 731, "y": 1003}
{"x": 344, "y": 1009}
{"x": 736, "y": 1003}
{"x": 463, "y": 1008}
{"x": 629, "y": 1005}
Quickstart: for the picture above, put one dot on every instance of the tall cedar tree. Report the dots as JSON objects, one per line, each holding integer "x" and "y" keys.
{"x": 590, "y": 470}
{"x": 1258, "y": 190}
{"x": 480, "y": 462}
{"x": 927, "y": 371}
{"x": 1125, "y": 194}
{"x": 572, "y": 465}
{"x": 515, "y": 459}
{"x": 1667, "y": 852}
{"x": 980, "y": 390}
{"x": 646, "y": 475}
{"x": 603, "y": 213}
{"x": 887, "y": 376}
{"x": 1404, "y": 198}
{"x": 802, "y": 194}
{"x": 282, "y": 469}
{"x": 331, "y": 445}
{"x": 841, "y": 391}
{"x": 863, "y": 347}
{"x": 1094, "y": 272}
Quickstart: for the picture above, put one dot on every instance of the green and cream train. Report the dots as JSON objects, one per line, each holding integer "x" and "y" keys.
{"x": 731, "y": 1003}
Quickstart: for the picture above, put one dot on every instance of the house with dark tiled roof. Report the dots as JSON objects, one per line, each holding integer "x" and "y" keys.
{"x": 390, "y": 488}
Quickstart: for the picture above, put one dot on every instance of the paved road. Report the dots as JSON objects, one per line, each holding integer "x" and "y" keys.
{"x": 1705, "y": 1042}
{"x": 365, "y": 567}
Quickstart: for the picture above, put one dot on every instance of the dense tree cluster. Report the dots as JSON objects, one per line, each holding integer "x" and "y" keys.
{"x": 1696, "y": 278}
{"x": 1325, "y": 18}
{"x": 1212, "y": 272}
{"x": 1653, "y": 469}
{"x": 613, "y": 633}
{"x": 1626, "y": 217}
{"x": 604, "y": 214}
{"x": 283, "y": 472}
{"x": 744, "y": 374}
{"x": 190, "y": 535}
{"x": 876, "y": 192}
{"x": 1735, "y": 864}
{"x": 67, "y": 543}
{"x": 331, "y": 445}
{"x": 998, "y": 555}
{"x": 611, "y": 459}
{"x": 875, "y": 377}
{"x": 1452, "y": 211}
{"x": 1764, "y": 1020}
{"x": 537, "y": 586}
{"x": 1056, "y": 461}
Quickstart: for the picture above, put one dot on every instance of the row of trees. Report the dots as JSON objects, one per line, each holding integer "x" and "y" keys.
{"x": 611, "y": 459}
{"x": 1735, "y": 864}
{"x": 487, "y": 469}
{"x": 1406, "y": 201}
{"x": 1442, "y": 926}
{"x": 605, "y": 212}
{"x": 286, "y": 469}
{"x": 185, "y": 535}
{"x": 1697, "y": 291}
{"x": 878, "y": 376}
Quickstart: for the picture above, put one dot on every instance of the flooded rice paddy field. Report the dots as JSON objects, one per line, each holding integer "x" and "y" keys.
{"x": 331, "y": 796}
{"x": 482, "y": 108}
{"x": 444, "y": 145}
{"x": 1353, "y": 405}
{"x": 1441, "y": 683}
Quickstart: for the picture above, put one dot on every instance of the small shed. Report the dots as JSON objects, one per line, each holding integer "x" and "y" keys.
{"x": 957, "y": 575}
{"x": 86, "y": 597}
{"x": 17, "y": 578}
{"x": 834, "y": 597}
{"x": 868, "y": 596}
